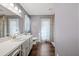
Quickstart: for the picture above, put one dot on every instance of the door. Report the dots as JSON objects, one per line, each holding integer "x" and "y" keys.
{"x": 45, "y": 29}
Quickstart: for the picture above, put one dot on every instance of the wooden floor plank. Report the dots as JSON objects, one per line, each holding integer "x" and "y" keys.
{"x": 43, "y": 49}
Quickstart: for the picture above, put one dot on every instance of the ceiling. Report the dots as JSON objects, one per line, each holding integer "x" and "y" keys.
{"x": 5, "y": 11}
{"x": 39, "y": 8}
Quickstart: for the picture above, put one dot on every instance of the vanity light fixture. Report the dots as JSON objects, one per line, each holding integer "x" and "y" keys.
{"x": 11, "y": 4}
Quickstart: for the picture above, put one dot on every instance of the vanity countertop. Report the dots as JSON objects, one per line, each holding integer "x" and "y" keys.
{"x": 10, "y": 45}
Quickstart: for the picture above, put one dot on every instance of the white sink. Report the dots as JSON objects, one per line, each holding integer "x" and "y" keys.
{"x": 21, "y": 38}
{"x": 4, "y": 39}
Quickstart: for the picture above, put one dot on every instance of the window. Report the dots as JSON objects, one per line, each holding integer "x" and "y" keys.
{"x": 45, "y": 29}
{"x": 27, "y": 24}
{"x": 13, "y": 26}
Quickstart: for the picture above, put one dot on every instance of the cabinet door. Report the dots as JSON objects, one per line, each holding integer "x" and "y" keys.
{"x": 25, "y": 47}
{"x": 27, "y": 51}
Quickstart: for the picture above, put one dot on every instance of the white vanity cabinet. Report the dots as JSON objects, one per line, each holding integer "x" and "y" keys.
{"x": 17, "y": 47}
{"x": 30, "y": 43}
{"x": 25, "y": 48}
{"x": 16, "y": 52}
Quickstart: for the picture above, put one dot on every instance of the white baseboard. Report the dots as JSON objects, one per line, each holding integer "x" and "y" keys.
{"x": 53, "y": 44}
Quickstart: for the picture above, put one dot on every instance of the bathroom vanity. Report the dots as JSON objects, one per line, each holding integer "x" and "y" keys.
{"x": 21, "y": 46}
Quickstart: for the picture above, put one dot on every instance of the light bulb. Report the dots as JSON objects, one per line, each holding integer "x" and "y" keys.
{"x": 16, "y": 8}
{"x": 20, "y": 11}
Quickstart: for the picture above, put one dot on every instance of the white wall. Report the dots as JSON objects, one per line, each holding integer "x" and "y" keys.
{"x": 78, "y": 29}
{"x": 35, "y": 25}
{"x": 66, "y": 29}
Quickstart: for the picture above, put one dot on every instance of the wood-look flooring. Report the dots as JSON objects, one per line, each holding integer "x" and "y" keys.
{"x": 43, "y": 49}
